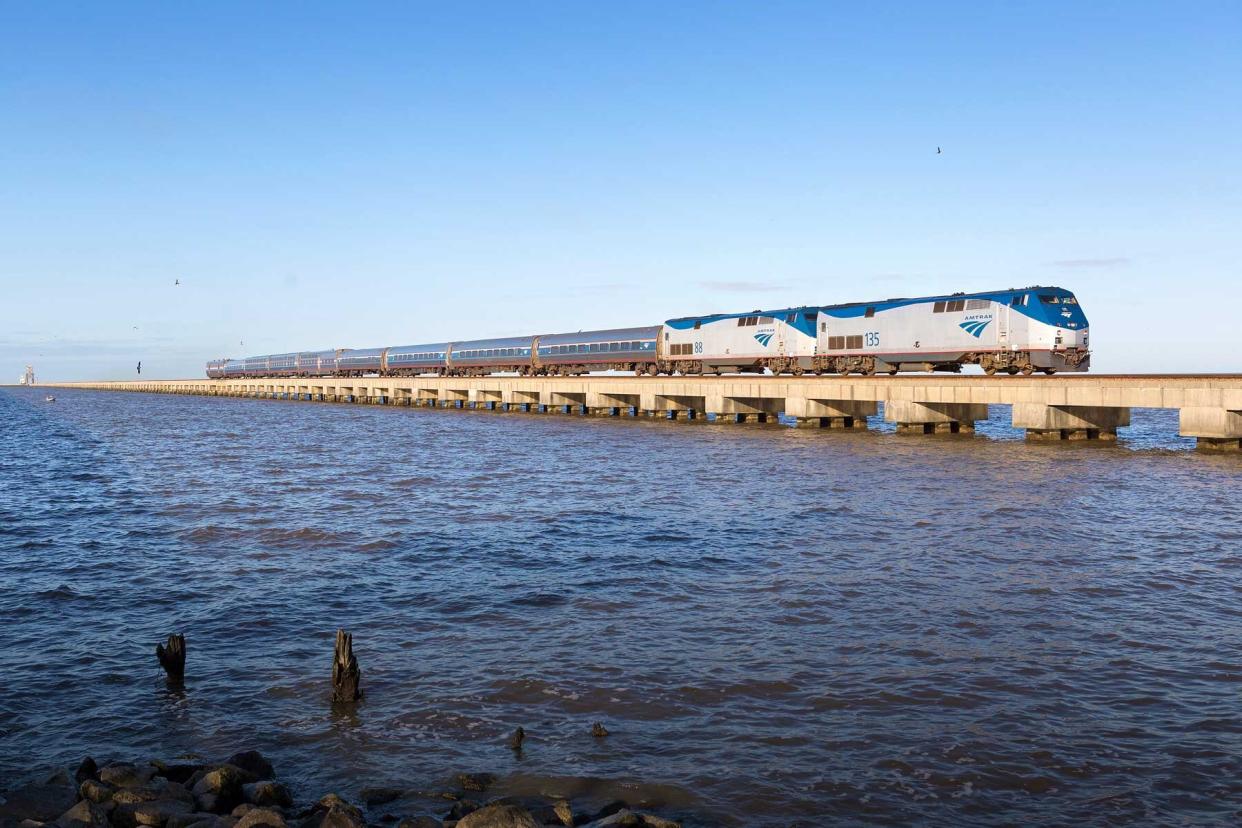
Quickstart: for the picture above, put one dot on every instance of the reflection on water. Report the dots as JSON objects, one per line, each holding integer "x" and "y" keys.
{"x": 775, "y": 624}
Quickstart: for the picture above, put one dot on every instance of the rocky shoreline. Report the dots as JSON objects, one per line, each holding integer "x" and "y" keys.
{"x": 243, "y": 791}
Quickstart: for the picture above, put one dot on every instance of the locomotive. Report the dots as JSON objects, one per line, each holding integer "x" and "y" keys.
{"x": 1011, "y": 331}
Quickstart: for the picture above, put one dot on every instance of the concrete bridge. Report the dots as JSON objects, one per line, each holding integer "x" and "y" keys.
{"x": 1073, "y": 407}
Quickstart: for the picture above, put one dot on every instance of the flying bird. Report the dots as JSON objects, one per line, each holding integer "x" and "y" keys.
{"x": 140, "y": 366}
{"x": 937, "y": 150}
{"x": 177, "y": 282}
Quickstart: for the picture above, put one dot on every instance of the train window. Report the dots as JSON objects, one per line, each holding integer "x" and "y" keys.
{"x": 791, "y": 318}
{"x": 836, "y": 343}
{"x": 823, "y": 327}
{"x": 811, "y": 316}
{"x": 698, "y": 323}
{"x": 870, "y": 313}
{"x": 1049, "y": 299}
{"x": 853, "y": 343}
{"x": 1017, "y": 301}
{"x": 938, "y": 307}
{"x": 955, "y": 306}
{"x": 977, "y": 304}
{"x": 1069, "y": 300}
{"x": 766, "y": 320}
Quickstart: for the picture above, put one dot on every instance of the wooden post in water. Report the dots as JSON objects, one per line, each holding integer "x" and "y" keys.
{"x": 172, "y": 658}
{"x": 345, "y": 673}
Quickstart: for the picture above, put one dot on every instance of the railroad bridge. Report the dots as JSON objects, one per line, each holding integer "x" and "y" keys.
{"x": 1072, "y": 407}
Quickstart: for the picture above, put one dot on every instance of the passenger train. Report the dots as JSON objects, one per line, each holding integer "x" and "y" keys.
{"x": 1010, "y": 331}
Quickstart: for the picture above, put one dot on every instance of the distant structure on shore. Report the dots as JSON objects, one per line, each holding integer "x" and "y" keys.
{"x": 28, "y": 377}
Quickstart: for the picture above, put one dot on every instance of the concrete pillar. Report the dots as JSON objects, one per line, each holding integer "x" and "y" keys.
{"x": 1214, "y": 429}
{"x": 1069, "y": 422}
{"x": 934, "y": 417}
{"x": 829, "y": 413}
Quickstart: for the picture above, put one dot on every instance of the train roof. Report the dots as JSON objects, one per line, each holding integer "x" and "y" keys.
{"x": 502, "y": 342}
{"x": 878, "y": 304}
{"x": 363, "y": 352}
{"x": 434, "y": 347}
{"x": 610, "y": 335}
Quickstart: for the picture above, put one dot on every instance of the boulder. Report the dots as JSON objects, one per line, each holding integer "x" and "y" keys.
{"x": 380, "y": 796}
{"x": 261, "y": 818}
{"x": 651, "y": 821}
{"x": 179, "y": 772}
{"x": 333, "y": 812}
{"x": 476, "y": 781}
{"x": 241, "y": 810}
{"x": 155, "y": 789}
{"x": 187, "y": 820}
{"x": 219, "y": 791}
{"x": 151, "y": 813}
{"x": 124, "y": 775}
{"x": 87, "y": 770}
{"x": 564, "y": 812}
{"x": 462, "y": 807}
{"x": 621, "y": 819}
{"x": 85, "y": 814}
{"x": 40, "y": 803}
{"x": 253, "y": 763}
{"x": 268, "y": 793}
{"x": 498, "y": 816}
{"x": 60, "y": 777}
{"x": 420, "y": 822}
{"x": 95, "y": 791}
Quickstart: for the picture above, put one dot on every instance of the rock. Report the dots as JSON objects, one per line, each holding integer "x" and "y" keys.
{"x": 219, "y": 791}
{"x": 564, "y": 812}
{"x": 598, "y": 730}
{"x": 187, "y": 820}
{"x": 180, "y": 772}
{"x": 420, "y": 822}
{"x": 616, "y": 806}
{"x": 516, "y": 740}
{"x": 87, "y": 770}
{"x": 621, "y": 819}
{"x": 498, "y": 816}
{"x": 253, "y": 763}
{"x": 95, "y": 791}
{"x": 156, "y": 789}
{"x": 476, "y": 781}
{"x": 380, "y": 796}
{"x": 461, "y": 808}
{"x": 333, "y": 812}
{"x": 241, "y": 810}
{"x": 267, "y": 792}
{"x": 257, "y": 817}
{"x": 85, "y": 814}
{"x": 651, "y": 821}
{"x": 126, "y": 775}
{"x": 60, "y": 777}
{"x": 41, "y": 803}
{"x": 158, "y": 812}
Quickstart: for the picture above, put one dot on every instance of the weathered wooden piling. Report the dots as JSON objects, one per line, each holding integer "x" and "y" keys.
{"x": 345, "y": 673}
{"x": 172, "y": 658}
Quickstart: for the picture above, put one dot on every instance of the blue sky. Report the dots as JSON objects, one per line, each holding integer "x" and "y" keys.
{"x": 368, "y": 174}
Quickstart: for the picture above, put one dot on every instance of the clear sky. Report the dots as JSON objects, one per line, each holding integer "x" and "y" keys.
{"x": 354, "y": 174}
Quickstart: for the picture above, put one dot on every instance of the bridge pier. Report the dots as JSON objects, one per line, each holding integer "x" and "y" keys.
{"x": 810, "y": 413}
{"x": 1070, "y": 422}
{"x": 1214, "y": 429}
{"x": 934, "y": 417}
{"x": 728, "y": 410}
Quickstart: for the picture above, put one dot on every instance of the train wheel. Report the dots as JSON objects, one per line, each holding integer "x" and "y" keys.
{"x": 1011, "y": 371}
{"x": 990, "y": 370}
{"x": 892, "y": 372}
{"x": 1050, "y": 371}
{"x": 798, "y": 371}
{"x": 1028, "y": 369}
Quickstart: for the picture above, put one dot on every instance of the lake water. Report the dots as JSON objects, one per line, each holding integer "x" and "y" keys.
{"x": 779, "y": 627}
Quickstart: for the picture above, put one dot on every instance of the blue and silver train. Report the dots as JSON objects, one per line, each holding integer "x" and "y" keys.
{"x": 1009, "y": 331}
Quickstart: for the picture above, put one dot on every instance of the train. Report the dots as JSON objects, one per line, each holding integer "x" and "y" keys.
{"x": 1014, "y": 331}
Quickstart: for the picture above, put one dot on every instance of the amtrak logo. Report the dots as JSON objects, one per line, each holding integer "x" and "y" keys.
{"x": 975, "y": 327}
{"x": 764, "y": 338}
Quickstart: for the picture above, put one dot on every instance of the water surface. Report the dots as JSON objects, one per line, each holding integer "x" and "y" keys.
{"x": 779, "y": 627}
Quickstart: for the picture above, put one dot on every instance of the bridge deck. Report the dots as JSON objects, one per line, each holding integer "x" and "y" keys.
{"x": 1081, "y": 406}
